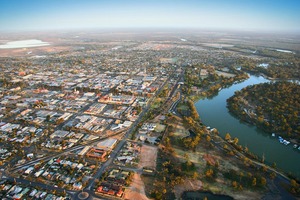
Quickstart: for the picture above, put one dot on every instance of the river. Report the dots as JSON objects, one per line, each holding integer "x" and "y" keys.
{"x": 214, "y": 113}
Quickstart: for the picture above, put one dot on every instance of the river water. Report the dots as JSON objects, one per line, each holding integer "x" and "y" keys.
{"x": 214, "y": 113}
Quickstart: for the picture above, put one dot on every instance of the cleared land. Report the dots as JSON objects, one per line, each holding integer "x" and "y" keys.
{"x": 180, "y": 131}
{"x": 148, "y": 156}
{"x": 136, "y": 191}
{"x": 225, "y": 74}
{"x": 187, "y": 185}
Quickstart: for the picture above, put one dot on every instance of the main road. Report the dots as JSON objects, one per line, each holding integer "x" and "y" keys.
{"x": 119, "y": 146}
{"x": 113, "y": 155}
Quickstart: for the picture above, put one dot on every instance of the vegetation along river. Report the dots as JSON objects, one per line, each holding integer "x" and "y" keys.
{"x": 214, "y": 113}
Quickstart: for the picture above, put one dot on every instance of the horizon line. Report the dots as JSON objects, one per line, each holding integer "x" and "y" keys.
{"x": 257, "y": 31}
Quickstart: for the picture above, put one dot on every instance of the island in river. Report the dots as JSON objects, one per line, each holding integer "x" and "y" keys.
{"x": 274, "y": 107}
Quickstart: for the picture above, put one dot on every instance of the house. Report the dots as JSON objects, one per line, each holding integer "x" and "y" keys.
{"x": 77, "y": 186}
{"x": 29, "y": 170}
{"x": 37, "y": 174}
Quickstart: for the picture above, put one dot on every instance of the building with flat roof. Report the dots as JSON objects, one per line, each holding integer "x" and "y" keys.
{"x": 107, "y": 144}
{"x": 84, "y": 151}
{"x": 96, "y": 153}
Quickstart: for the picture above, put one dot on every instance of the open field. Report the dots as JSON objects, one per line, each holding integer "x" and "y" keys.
{"x": 148, "y": 156}
{"x": 225, "y": 74}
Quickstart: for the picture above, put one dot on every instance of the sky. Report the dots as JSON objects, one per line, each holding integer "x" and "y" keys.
{"x": 245, "y": 15}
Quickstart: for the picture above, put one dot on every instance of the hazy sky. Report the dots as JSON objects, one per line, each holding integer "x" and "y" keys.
{"x": 248, "y": 15}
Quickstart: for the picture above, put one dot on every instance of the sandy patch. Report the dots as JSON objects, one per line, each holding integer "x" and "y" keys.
{"x": 23, "y": 44}
{"x": 225, "y": 74}
{"x": 148, "y": 156}
{"x": 187, "y": 185}
{"x": 209, "y": 159}
{"x": 195, "y": 157}
{"x": 246, "y": 195}
{"x": 136, "y": 191}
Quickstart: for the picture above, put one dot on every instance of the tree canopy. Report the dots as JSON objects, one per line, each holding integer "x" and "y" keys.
{"x": 275, "y": 107}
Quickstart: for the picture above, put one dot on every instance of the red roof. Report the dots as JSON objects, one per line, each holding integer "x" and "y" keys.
{"x": 111, "y": 192}
{"x": 99, "y": 189}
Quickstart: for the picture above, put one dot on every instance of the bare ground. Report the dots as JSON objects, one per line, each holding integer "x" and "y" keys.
{"x": 209, "y": 158}
{"x": 200, "y": 158}
{"x": 148, "y": 157}
{"x": 136, "y": 191}
{"x": 188, "y": 184}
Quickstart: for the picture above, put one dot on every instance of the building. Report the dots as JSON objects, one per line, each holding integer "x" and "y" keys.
{"x": 107, "y": 144}
{"x": 84, "y": 151}
{"x": 96, "y": 153}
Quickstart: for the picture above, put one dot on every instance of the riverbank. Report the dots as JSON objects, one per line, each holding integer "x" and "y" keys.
{"x": 215, "y": 167}
{"x": 214, "y": 113}
{"x": 278, "y": 79}
{"x": 221, "y": 166}
{"x": 202, "y": 195}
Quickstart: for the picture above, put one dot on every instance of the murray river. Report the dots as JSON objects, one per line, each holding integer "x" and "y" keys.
{"x": 214, "y": 113}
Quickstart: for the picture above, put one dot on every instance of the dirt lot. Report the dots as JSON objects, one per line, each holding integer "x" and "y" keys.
{"x": 136, "y": 191}
{"x": 148, "y": 156}
{"x": 187, "y": 185}
{"x": 227, "y": 75}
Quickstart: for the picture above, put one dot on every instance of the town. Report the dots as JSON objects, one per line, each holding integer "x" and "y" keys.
{"x": 82, "y": 120}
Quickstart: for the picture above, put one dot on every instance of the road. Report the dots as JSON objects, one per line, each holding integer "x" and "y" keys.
{"x": 119, "y": 146}
{"x": 113, "y": 155}
{"x": 75, "y": 148}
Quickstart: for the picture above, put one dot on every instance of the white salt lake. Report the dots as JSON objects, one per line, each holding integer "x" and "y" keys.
{"x": 23, "y": 44}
